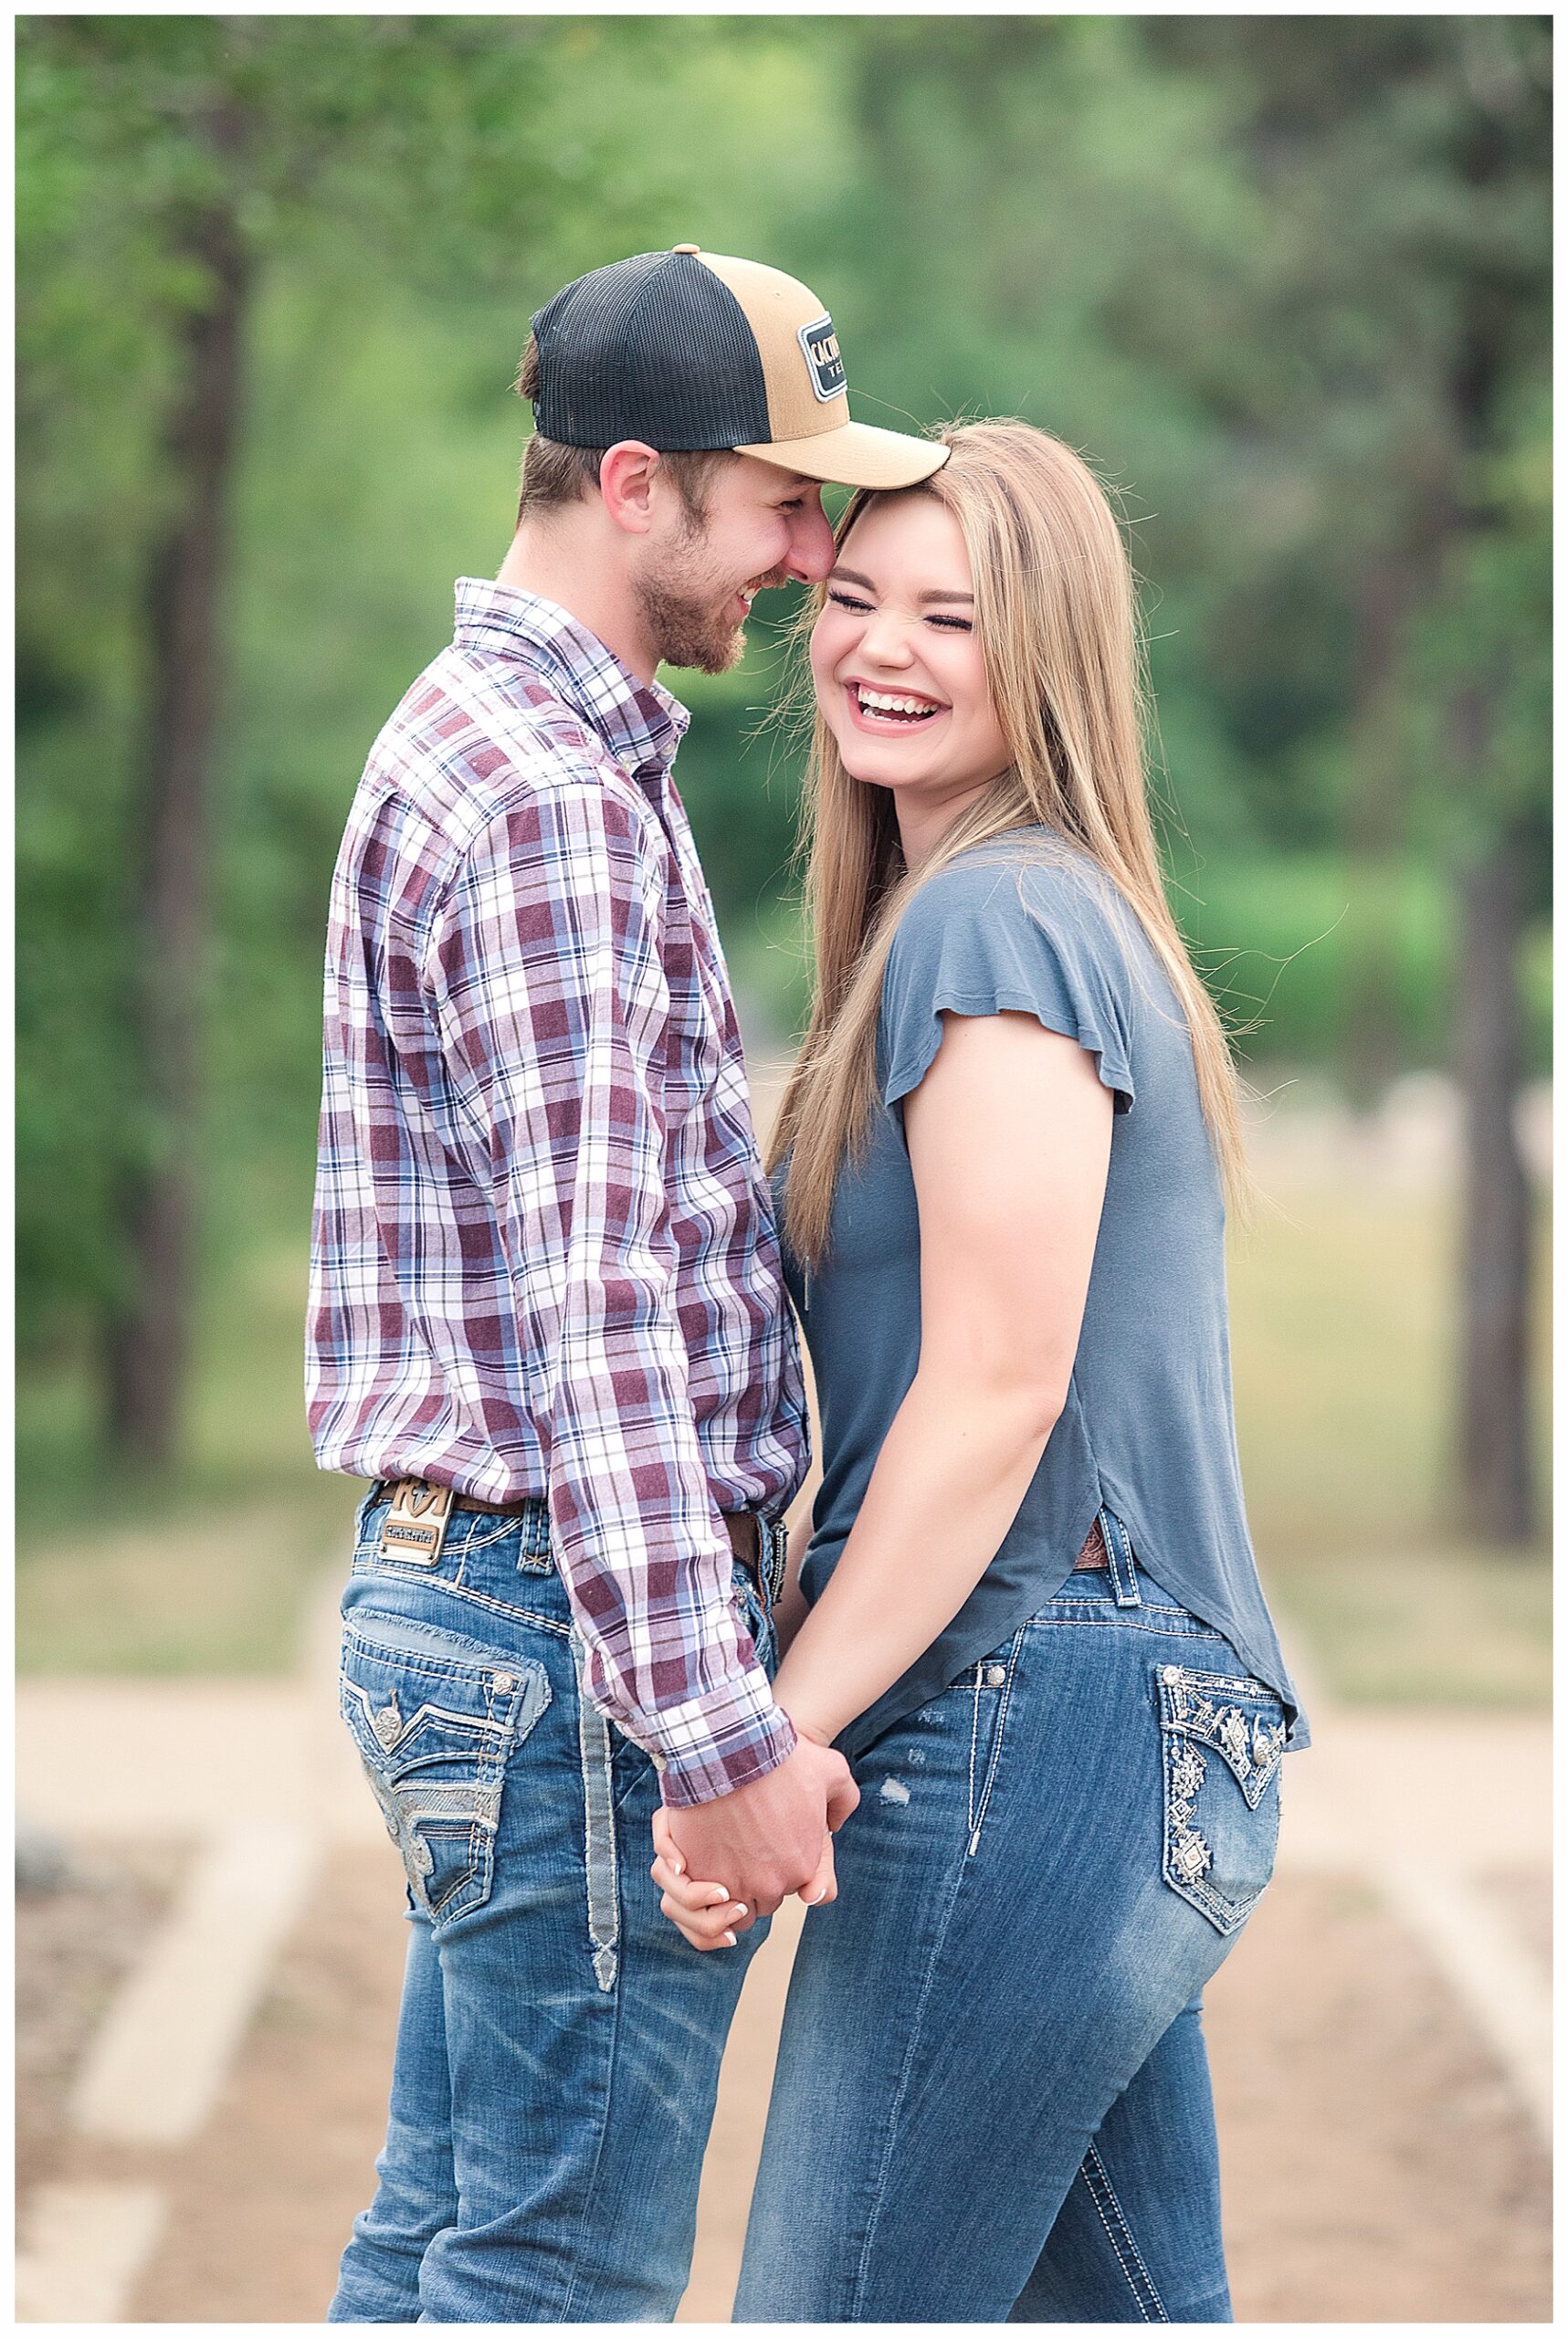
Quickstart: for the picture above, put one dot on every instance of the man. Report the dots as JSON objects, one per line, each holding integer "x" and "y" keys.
{"x": 547, "y": 1318}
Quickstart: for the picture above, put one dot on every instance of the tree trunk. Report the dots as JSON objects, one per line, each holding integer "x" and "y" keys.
{"x": 1495, "y": 1492}
{"x": 148, "y": 1337}
{"x": 1375, "y": 824}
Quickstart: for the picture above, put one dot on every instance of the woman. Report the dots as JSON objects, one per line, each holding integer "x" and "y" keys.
{"x": 1029, "y": 1612}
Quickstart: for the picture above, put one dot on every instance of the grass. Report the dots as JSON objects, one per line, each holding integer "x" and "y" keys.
{"x": 1342, "y": 1344}
{"x": 1343, "y": 1335}
{"x": 206, "y": 1571}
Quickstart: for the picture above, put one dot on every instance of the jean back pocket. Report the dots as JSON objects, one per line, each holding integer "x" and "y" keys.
{"x": 434, "y": 1720}
{"x": 1222, "y": 1740}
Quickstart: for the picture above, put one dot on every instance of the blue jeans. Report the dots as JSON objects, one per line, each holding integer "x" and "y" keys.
{"x": 992, "y": 2100}
{"x": 559, "y": 2043}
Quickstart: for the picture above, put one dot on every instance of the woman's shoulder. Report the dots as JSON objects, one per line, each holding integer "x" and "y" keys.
{"x": 1030, "y": 880}
{"x": 1007, "y": 926}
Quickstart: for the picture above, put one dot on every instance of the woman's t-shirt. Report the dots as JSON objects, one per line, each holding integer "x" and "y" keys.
{"x": 1028, "y": 921}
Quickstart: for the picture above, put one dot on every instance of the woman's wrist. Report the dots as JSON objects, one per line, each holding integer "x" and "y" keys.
{"x": 807, "y": 1723}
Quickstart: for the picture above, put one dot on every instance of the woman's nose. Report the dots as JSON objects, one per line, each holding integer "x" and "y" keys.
{"x": 883, "y": 640}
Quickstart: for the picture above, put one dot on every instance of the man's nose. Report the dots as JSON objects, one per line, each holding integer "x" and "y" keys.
{"x": 812, "y": 551}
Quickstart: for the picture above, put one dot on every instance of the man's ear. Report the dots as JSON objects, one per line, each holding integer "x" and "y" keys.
{"x": 626, "y": 476}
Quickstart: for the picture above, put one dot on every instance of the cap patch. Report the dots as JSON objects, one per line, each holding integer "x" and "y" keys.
{"x": 820, "y": 343}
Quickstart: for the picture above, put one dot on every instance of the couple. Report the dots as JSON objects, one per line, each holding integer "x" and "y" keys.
{"x": 1013, "y": 1728}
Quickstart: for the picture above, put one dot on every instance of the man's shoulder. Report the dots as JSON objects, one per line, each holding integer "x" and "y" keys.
{"x": 476, "y": 738}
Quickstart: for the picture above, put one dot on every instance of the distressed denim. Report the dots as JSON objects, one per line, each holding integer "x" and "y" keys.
{"x": 992, "y": 2100}
{"x": 559, "y": 2043}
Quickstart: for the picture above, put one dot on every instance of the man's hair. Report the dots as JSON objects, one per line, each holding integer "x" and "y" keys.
{"x": 555, "y": 475}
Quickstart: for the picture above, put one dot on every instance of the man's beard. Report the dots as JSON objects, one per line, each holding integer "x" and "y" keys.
{"x": 687, "y": 626}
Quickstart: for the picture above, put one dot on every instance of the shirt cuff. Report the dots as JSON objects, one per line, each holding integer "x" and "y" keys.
{"x": 721, "y": 1740}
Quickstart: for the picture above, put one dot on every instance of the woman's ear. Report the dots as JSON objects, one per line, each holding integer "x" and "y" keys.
{"x": 626, "y": 476}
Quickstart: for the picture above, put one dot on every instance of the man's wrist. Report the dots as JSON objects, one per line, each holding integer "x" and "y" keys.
{"x": 720, "y": 1743}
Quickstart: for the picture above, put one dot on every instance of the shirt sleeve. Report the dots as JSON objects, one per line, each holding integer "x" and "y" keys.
{"x": 990, "y": 936}
{"x": 550, "y": 995}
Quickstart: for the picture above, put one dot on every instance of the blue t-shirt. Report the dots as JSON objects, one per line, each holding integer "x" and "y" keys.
{"x": 1029, "y": 921}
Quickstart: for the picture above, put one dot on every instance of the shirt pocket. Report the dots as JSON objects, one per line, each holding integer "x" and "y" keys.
{"x": 1222, "y": 1740}
{"x": 434, "y": 1731}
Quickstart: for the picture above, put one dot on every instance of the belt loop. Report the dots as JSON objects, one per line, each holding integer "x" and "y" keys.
{"x": 1119, "y": 1551}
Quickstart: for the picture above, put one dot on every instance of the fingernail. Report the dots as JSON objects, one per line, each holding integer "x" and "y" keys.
{"x": 741, "y": 1908}
{"x": 729, "y": 1940}
{"x": 678, "y": 1865}
{"x": 820, "y": 1897}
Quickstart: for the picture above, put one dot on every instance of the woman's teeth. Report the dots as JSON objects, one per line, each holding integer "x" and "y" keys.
{"x": 888, "y": 703}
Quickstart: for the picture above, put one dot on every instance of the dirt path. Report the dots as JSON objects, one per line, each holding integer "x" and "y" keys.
{"x": 1382, "y": 2162}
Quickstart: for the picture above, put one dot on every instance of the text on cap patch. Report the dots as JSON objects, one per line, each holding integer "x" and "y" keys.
{"x": 820, "y": 343}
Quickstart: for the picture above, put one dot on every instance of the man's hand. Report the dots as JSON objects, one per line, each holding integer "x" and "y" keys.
{"x": 754, "y": 1846}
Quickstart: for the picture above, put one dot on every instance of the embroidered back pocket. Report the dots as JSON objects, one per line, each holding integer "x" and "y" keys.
{"x": 1222, "y": 1739}
{"x": 434, "y": 1730}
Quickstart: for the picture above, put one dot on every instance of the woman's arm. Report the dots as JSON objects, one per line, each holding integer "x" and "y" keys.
{"x": 1009, "y": 1141}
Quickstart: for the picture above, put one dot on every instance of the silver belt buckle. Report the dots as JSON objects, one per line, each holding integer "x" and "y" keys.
{"x": 414, "y": 1531}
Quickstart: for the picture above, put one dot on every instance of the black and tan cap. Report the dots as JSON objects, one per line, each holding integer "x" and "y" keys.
{"x": 688, "y": 349}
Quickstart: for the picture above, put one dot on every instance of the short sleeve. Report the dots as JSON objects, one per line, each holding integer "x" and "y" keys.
{"x": 987, "y": 936}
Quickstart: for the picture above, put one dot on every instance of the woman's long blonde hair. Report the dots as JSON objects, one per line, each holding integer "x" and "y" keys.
{"x": 1057, "y": 611}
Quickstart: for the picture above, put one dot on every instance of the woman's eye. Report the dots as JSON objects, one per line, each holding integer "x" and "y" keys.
{"x": 953, "y": 625}
{"x": 845, "y": 602}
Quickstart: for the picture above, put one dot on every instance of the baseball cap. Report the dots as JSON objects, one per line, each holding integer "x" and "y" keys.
{"x": 688, "y": 349}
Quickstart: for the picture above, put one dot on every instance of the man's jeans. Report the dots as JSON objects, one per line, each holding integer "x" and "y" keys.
{"x": 559, "y": 2043}
{"x": 992, "y": 2100}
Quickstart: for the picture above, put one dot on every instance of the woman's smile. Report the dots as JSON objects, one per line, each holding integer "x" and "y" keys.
{"x": 876, "y": 708}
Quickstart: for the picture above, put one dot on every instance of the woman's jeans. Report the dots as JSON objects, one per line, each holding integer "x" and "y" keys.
{"x": 992, "y": 2100}
{"x": 559, "y": 2043}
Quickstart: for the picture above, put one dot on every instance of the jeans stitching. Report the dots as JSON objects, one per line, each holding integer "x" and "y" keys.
{"x": 412, "y": 1798}
{"x": 1125, "y": 1619}
{"x": 1227, "y": 1916}
{"x": 598, "y": 1821}
{"x": 861, "y": 2272}
{"x": 1090, "y": 2173}
{"x": 974, "y": 1745}
{"x": 497, "y": 1607}
{"x": 979, "y": 1820}
{"x": 1121, "y": 1563}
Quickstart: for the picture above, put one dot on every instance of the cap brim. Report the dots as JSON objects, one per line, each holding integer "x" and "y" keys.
{"x": 856, "y": 455}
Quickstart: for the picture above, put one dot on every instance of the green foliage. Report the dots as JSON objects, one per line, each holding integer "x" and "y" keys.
{"x": 1236, "y": 261}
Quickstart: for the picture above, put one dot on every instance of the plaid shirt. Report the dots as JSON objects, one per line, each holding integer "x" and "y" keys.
{"x": 544, "y": 1261}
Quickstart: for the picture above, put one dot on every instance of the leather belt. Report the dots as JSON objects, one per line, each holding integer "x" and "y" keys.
{"x": 1094, "y": 1553}
{"x": 740, "y": 1524}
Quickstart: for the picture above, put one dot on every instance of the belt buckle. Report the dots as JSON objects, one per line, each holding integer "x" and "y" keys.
{"x": 414, "y": 1531}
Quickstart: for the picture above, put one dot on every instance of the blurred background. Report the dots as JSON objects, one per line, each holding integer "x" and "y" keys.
{"x": 1285, "y": 281}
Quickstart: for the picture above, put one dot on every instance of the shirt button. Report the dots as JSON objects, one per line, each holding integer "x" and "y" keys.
{"x": 504, "y": 1681}
{"x": 1171, "y": 1674}
{"x": 630, "y": 764}
{"x": 995, "y": 1675}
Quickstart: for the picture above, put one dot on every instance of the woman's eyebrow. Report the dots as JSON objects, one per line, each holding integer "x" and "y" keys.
{"x": 852, "y": 576}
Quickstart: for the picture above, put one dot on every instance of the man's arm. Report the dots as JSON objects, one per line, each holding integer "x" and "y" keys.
{"x": 545, "y": 973}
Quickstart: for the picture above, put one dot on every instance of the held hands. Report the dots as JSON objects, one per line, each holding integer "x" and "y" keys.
{"x": 769, "y": 1838}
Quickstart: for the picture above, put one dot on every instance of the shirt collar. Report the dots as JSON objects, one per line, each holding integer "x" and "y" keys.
{"x": 639, "y": 722}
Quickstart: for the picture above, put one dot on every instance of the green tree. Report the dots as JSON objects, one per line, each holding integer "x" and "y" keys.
{"x": 168, "y": 163}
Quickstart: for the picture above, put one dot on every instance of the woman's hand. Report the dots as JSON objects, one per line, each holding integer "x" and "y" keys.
{"x": 703, "y": 1913}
